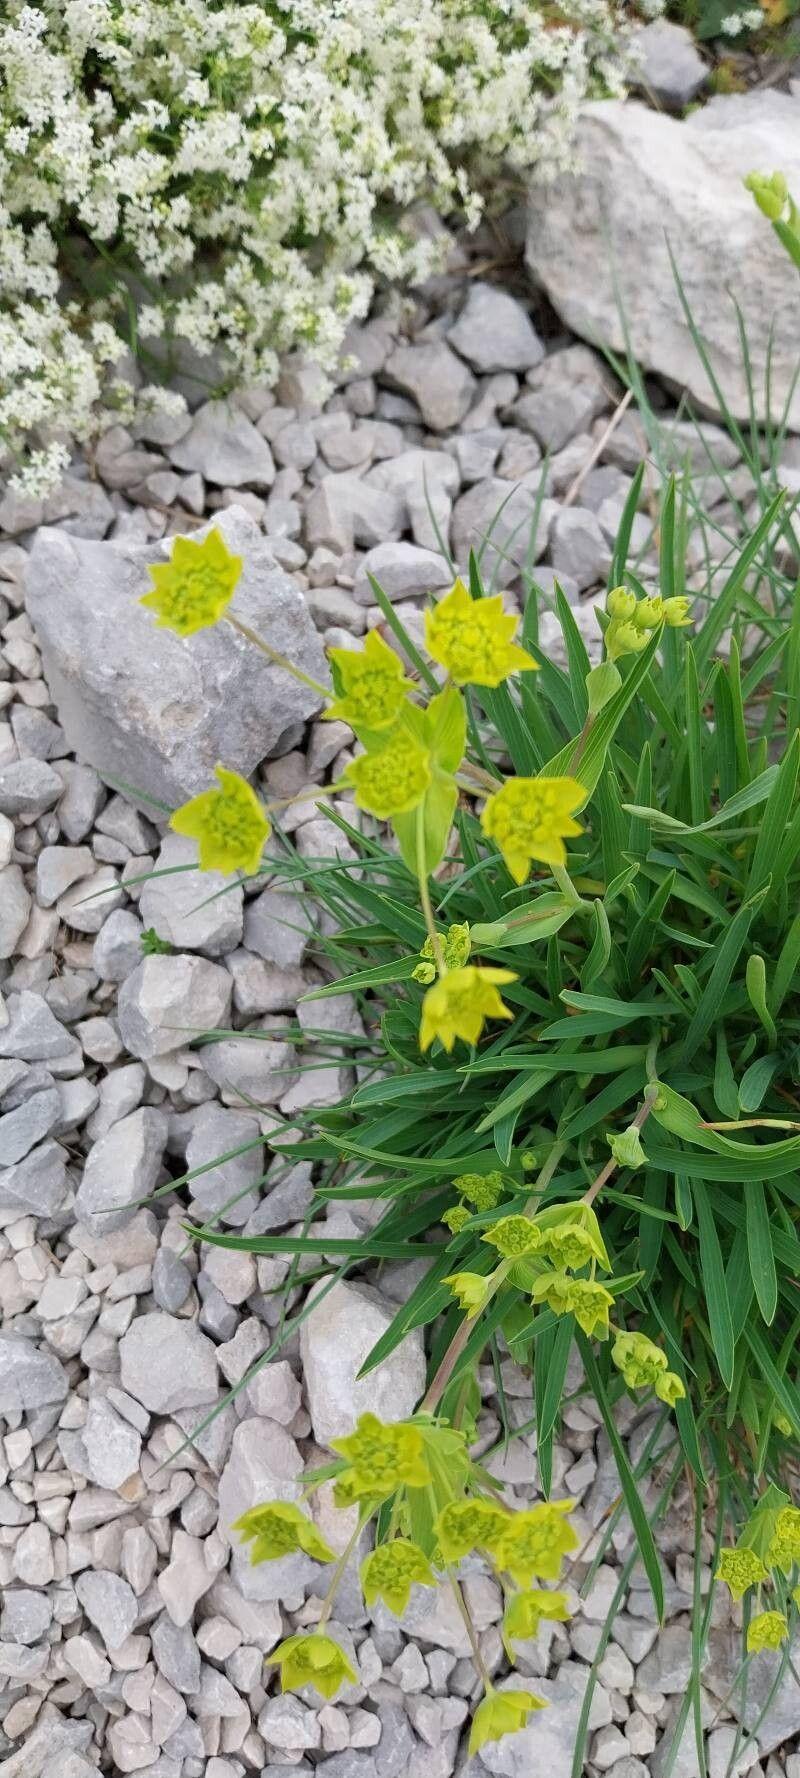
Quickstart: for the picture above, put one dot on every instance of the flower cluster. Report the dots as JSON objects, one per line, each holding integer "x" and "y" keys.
{"x": 768, "y": 1545}
{"x": 430, "y": 1502}
{"x": 530, "y": 818}
{"x": 645, "y": 1366}
{"x": 632, "y": 620}
{"x": 248, "y": 172}
{"x": 473, "y": 639}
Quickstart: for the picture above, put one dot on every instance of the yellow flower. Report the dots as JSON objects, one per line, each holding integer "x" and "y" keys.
{"x": 502, "y": 1713}
{"x": 391, "y": 1570}
{"x": 470, "y": 1290}
{"x": 570, "y": 1237}
{"x": 624, "y": 638}
{"x": 621, "y": 604}
{"x": 649, "y": 613}
{"x": 278, "y": 1529}
{"x": 770, "y": 191}
{"x": 229, "y": 824}
{"x": 525, "y": 1611}
{"x": 312, "y": 1660}
{"x": 473, "y": 639}
{"x": 456, "y": 948}
{"x": 456, "y": 1218}
{"x": 768, "y": 1630}
{"x": 670, "y": 1389}
{"x": 195, "y": 587}
{"x": 740, "y": 1569}
{"x": 784, "y": 1549}
{"x": 393, "y": 779}
{"x": 373, "y": 684}
{"x": 465, "y": 1525}
{"x": 530, "y": 818}
{"x": 536, "y": 1541}
{"x": 382, "y": 1457}
{"x": 676, "y": 611}
{"x": 459, "y": 1004}
{"x": 513, "y": 1236}
{"x": 588, "y": 1302}
{"x": 481, "y": 1189}
{"x": 639, "y": 1359}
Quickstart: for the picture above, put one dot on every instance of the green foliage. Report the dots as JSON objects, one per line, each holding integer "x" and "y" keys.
{"x": 734, "y": 22}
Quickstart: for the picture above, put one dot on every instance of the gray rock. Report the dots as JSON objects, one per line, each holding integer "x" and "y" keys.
{"x": 559, "y": 412}
{"x": 262, "y": 1468}
{"x": 119, "y": 1093}
{"x": 121, "y": 1168}
{"x": 287, "y": 1195}
{"x": 176, "y": 1654}
{"x": 334, "y": 1342}
{"x": 547, "y": 1741}
{"x": 113, "y": 1446}
{"x": 344, "y": 510}
{"x": 37, "y": 1185}
{"x": 668, "y": 1667}
{"x": 251, "y": 1072}
{"x": 15, "y": 907}
{"x": 30, "y": 1378}
{"x": 402, "y": 570}
{"x": 217, "y": 1132}
{"x": 32, "y": 1033}
{"x": 167, "y": 1364}
{"x": 87, "y": 905}
{"x": 151, "y": 708}
{"x": 168, "y": 1000}
{"x": 774, "y": 1725}
{"x": 58, "y": 867}
{"x": 512, "y": 518}
{"x": 34, "y": 1119}
{"x": 52, "y": 1739}
{"x": 599, "y": 244}
{"x": 225, "y": 447}
{"x": 172, "y": 1280}
{"x": 494, "y": 332}
{"x": 277, "y": 927}
{"x": 426, "y": 482}
{"x": 578, "y": 547}
{"x": 25, "y": 1616}
{"x": 117, "y": 949}
{"x": 669, "y": 62}
{"x": 81, "y": 800}
{"x": 437, "y": 379}
{"x": 28, "y": 787}
{"x": 191, "y": 909}
{"x": 109, "y": 1603}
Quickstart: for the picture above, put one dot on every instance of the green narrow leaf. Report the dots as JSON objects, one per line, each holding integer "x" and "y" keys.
{"x": 622, "y": 543}
{"x": 628, "y": 1484}
{"x": 727, "y": 956}
{"x": 550, "y": 1369}
{"x": 715, "y": 1289}
{"x": 601, "y": 947}
{"x": 726, "y": 1097}
{"x": 760, "y": 1251}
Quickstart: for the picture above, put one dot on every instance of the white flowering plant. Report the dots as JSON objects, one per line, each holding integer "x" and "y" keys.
{"x": 237, "y": 176}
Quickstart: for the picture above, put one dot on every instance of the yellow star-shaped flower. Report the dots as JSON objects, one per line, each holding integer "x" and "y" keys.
{"x": 530, "y": 818}
{"x": 470, "y": 1289}
{"x": 371, "y": 684}
{"x": 537, "y": 1540}
{"x": 768, "y": 1630}
{"x": 312, "y": 1660}
{"x": 525, "y": 1611}
{"x": 459, "y": 1004}
{"x": 740, "y": 1569}
{"x": 278, "y": 1529}
{"x": 502, "y": 1713}
{"x": 229, "y": 824}
{"x": 587, "y": 1301}
{"x": 391, "y": 1570}
{"x": 393, "y": 779}
{"x": 194, "y": 588}
{"x": 473, "y": 639}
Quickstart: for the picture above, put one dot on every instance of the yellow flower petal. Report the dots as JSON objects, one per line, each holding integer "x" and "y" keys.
{"x": 373, "y": 684}
{"x": 459, "y": 1004}
{"x": 529, "y": 818}
{"x": 195, "y": 587}
{"x": 473, "y": 639}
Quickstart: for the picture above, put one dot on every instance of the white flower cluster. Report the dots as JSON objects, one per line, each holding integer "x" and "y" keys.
{"x": 238, "y": 173}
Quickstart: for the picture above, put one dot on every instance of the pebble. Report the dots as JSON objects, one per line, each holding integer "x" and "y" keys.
{"x": 167, "y": 1364}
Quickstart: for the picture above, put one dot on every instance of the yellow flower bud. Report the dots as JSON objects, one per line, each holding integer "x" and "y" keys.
{"x": 621, "y": 603}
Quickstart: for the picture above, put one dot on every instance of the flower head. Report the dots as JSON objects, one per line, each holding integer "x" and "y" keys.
{"x": 456, "y": 1218}
{"x": 481, "y": 1189}
{"x": 530, "y": 818}
{"x": 784, "y": 1548}
{"x": 312, "y": 1659}
{"x": 768, "y": 1630}
{"x": 770, "y": 191}
{"x": 536, "y": 1541}
{"x": 381, "y": 1457}
{"x": 676, "y": 611}
{"x": 195, "y": 587}
{"x": 513, "y": 1236}
{"x": 570, "y": 1237}
{"x": 525, "y": 1611}
{"x": 465, "y": 1525}
{"x": 649, "y": 613}
{"x": 392, "y": 779}
{"x": 470, "y": 1289}
{"x": 456, "y": 948}
{"x": 639, "y": 1359}
{"x": 626, "y": 1147}
{"x": 621, "y": 604}
{"x": 670, "y": 1388}
{"x": 587, "y": 1301}
{"x": 502, "y": 1713}
{"x": 740, "y": 1569}
{"x": 459, "y": 1004}
{"x": 278, "y": 1529}
{"x": 371, "y": 684}
{"x": 391, "y": 1570}
{"x": 624, "y": 638}
{"x": 473, "y": 639}
{"x": 229, "y": 824}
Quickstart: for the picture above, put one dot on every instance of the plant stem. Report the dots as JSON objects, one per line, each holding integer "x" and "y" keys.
{"x": 327, "y": 1603}
{"x": 278, "y": 660}
{"x": 425, "y": 894}
{"x": 434, "y": 1394}
{"x": 564, "y": 881}
{"x": 470, "y": 1629}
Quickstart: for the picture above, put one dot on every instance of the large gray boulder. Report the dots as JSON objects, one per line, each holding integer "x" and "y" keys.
{"x": 650, "y": 183}
{"x": 153, "y": 710}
